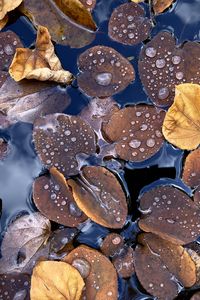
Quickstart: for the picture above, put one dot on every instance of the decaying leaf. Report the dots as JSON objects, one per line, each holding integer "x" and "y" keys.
{"x": 14, "y": 286}
{"x": 28, "y": 99}
{"x": 124, "y": 262}
{"x": 160, "y": 5}
{"x": 21, "y": 241}
{"x": 128, "y": 24}
{"x": 60, "y": 138}
{"x": 162, "y": 65}
{"x": 98, "y": 272}
{"x": 8, "y": 5}
{"x": 181, "y": 125}
{"x": 99, "y": 195}
{"x": 191, "y": 170}
{"x": 3, "y": 22}
{"x": 171, "y": 214}
{"x": 135, "y": 132}
{"x": 51, "y": 14}
{"x": 55, "y": 280}
{"x": 104, "y": 72}
{"x": 112, "y": 244}
{"x": 161, "y": 265}
{"x": 40, "y": 63}
{"x": 54, "y": 200}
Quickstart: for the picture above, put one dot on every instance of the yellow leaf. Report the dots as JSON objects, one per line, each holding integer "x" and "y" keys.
{"x": 8, "y": 5}
{"x": 137, "y": 1}
{"x": 181, "y": 125}
{"x": 3, "y": 22}
{"x": 53, "y": 280}
{"x": 40, "y": 63}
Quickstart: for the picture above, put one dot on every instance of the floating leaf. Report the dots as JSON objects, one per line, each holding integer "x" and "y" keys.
{"x": 128, "y": 24}
{"x": 51, "y": 14}
{"x": 60, "y": 138}
{"x": 181, "y": 125}
{"x": 124, "y": 262}
{"x": 104, "y": 72}
{"x": 136, "y": 132}
{"x": 61, "y": 238}
{"x": 162, "y": 65}
{"x": 191, "y": 171}
{"x": 4, "y": 148}
{"x": 40, "y": 63}
{"x": 99, "y": 273}
{"x": 21, "y": 241}
{"x": 171, "y": 214}
{"x": 99, "y": 195}
{"x": 14, "y": 286}
{"x": 56, "y": 280}
{"x": 112, "y": 244}
{"x": 161, "y": 266}
{"x": 8, "y": 5}
{"x": 3, "y": 22}
{"x": 54, "y": 200}
{"x": 160, "y": 5}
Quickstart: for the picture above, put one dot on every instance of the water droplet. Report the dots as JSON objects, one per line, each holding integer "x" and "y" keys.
{"x": 135, "y": 144}
{"x": 163, "y": 93}
{"x": 150, "y": 52}
{"x": 82, "y": 266}
{"x": 179, "y": 75}
{"x": 67, "y": 132}
{"x": 53, "y": 196}
{"x": 130, "y": 18}
{"x": 160, "y": 63}
{"x": 176, "y": 59}
{"x": 21, "y": 295}
{"x": 116, "y": 240}
{"x": 131, "y": 35}
{"x": 104, "y": 79}
{"x": 74, "y": 210}
{"x": 151, "y": 143}
{"x": 143, "y": 127}
{"x": 8, "y": 50}
{"x": 46, "y": 187}
{"x": 170, "y": 221}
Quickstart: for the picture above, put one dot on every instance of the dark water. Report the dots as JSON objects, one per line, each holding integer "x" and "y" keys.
{"x": 19, "y": 169}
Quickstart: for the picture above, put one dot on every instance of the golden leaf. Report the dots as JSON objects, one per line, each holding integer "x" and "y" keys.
{"x": 53, "y": 280}
{"x": 3, "y": 22}
{"x": 8, "y": 5}
{"x": 181, "y": 125}
{"x": 40, "y": 63}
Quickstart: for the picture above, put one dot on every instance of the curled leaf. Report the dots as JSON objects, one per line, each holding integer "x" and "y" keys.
{"x": 55, "y": 280}
{"x": 8, "y": 5}
{"x": 181, "y": 125}
{"x": 40, "y": 63}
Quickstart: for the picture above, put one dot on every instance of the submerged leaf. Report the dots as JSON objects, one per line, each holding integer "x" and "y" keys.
{"x": 40, "y": 63}
{"x": 21, "y": 241}
{"x": 8, "y": 5}
{"x": 181, "y": 125}
{"x": 56, "y": 280}
{"x": 160, "y": 5}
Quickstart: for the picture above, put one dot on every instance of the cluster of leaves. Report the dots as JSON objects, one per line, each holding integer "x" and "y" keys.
{"x": 69, "y": 192}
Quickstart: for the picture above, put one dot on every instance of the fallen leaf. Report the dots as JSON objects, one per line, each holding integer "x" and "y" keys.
{"x": 8, "y": 5}
{"x": 160, "y": 5}
{"x": 191, "y": 169}
{"x": 181, "y": 126}
{"x": 21, "y": 241}
{"x": 100, "y": 196}
{"x": 51, "y": 14}
{"x": 55, "y": 280}
{"x": 3, "y": 22}
{"x": 61, "y": 238}
{"x": 124, "y": 262}
{"x": 98, "y": 272}
{"x": 40, "y": 63}
{"x": 112, "y": 244}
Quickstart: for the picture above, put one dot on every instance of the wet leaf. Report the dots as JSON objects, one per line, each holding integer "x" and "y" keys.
{"x": 21, "y": 241}
{"x": 3, "y": 22}
{"x": 112, "y": 244}
{"x": 181, "y": 125}
{"x": 14, "y": 286}
{"x": 128, "y": 24}
{"x": 104, "y": 72}
{"x": 8, "y": 5}
{"x": 4, "y": 148}
{"x": 40, "y": 63}
{"x": 27, "y": 100}
{"x": 56, "y": 280}
{"x": 191, "y": 170}
{"x": 99, "y": 195}
{"x": 60, "y": 138}
{"x": 61, "y": 238}
{"x": 51, "y": 14}
{"x": 160, "y": 265}
{"x": 160, "y": 5}
{"x": 162, "y": 65}
{"x": 171, "y": 214}
{"x": 54, "y": 200}
{"x": 99, "y": 273}
{"x": 124, "y": 262}
{"x": 136, "y": 132}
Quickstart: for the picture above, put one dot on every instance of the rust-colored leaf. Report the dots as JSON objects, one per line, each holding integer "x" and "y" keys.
{"x": 8, "y": 5}
{"x": 181, "y": 124}
{"x": 98, "y": 272}
{"x": 128, "y": 24}
{"x": 171, "y": 214}
{"x": 160, "y": 265}
{"x": 55, "y": 280}
{"x": 3, "y": 22}
{"x": 60, "y": 138}
{"x": 191, "y": 170}
{"x": 160, "y": 5}
{"x": 124, "y": 262}
{"x": 99, "y": 195}
{"x": 136, "y": 132}
{"x": 112, "y": 244}
{"x": 54, "y": 200}
{"x": 104, "y": 72}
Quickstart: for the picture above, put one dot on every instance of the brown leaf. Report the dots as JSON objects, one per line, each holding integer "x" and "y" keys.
{"x": 99, "y": 273}
{"x": 171, "y": 214}
{"x": 160, "y": 265}
{"x": 3, "y": 22}
{"x": 128, "y": 24}
{"x": 181, "y": 125}
{"x": 54, "y": 200}
{"x": 55, "y": 280}
{"x": 135, "y": 132}
{"x": 60, "y": 239}
{"x": 8, "y": 5}
{"x": 191, "y": 170}
{"x": 40, "y": 63}
{"x": 21, "y": 241}
{"x": 124, "y": 262}
{"x": 112, "y": 244}
{"x": 160, "y": 5}
{"x": 60, "y": 138}
{"x": 99, "y": 195}
{"x": 51, "y": 14}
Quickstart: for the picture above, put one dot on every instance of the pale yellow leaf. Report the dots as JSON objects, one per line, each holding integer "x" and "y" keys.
{"x": 8, "y": 5}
